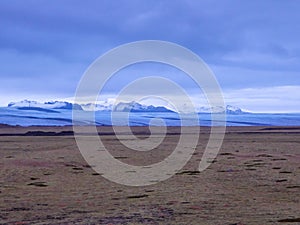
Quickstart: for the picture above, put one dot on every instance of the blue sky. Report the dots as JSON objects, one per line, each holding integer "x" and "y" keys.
{"x": 252, "y": 47}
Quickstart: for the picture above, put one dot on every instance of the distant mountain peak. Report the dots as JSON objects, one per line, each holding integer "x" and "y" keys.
{"x": 137, "y": 107}
{"x": 119, "y": 107}
{"x": 233, "y": 110}
{"x": 46, "y": 105}
{"x": 229, "y": 109}
{"x": 23, "y": 103}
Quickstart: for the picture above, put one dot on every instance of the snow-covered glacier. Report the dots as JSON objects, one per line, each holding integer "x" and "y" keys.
{"x": 59, "y": 113}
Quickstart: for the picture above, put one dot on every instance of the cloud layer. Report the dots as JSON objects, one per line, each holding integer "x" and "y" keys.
{"x": 45, "y": 46}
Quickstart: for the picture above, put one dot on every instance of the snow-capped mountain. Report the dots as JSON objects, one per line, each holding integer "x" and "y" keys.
{"x": 229, "y": 109}
{"x": 234, "y": 110}
{"x": 102, "y": 106}
{"x": 137, "y": 107}
{"x": 96, "y": 107}
{"x": 106, "y": 105}
{"x": 46, "y": 105}
{"x": 109, "y": 105}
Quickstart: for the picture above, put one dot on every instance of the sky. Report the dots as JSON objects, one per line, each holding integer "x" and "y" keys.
{"x": 252, "y": 47}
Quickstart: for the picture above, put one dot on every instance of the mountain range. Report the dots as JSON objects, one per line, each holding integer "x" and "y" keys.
{"x": 108, "y": 106}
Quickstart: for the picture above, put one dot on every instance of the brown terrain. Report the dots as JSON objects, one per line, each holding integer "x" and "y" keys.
{"x": 255, "y": 179}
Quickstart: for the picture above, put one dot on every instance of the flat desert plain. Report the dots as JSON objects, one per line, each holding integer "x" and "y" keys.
{"x": 255, "y": 179}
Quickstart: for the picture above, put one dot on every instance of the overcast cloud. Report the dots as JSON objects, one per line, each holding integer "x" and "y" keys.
{"x": 45, "y": 46}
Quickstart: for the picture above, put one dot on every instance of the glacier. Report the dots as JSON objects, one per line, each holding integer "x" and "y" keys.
{"x": 59, "y": 113}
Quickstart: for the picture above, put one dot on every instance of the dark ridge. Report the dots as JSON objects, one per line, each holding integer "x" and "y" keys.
{"x": 281, "y": 128}
{"x": 258, "y": 132}
{"x": 137, "y": 196}
{"x": 69, "y": 133}
{"x": 294, "y": 186}
{"x": 41, "y": 133}
{"x": 291, "y": 220}
{"x": 2, "y": 125}
{"x": 188, "y": 172}
{"x": 38, "y": 184}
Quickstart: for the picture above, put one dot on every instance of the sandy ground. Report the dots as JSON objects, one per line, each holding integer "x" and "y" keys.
{"x": 255, "y": 179}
